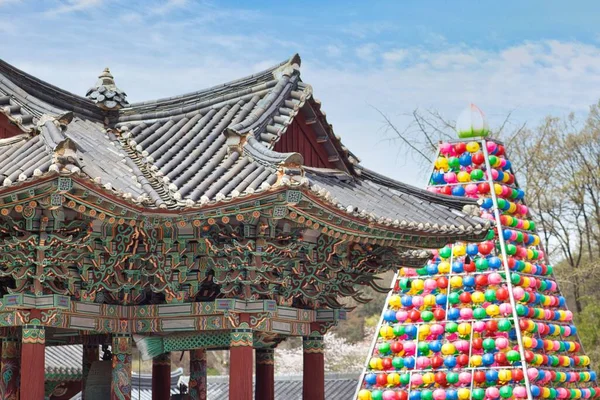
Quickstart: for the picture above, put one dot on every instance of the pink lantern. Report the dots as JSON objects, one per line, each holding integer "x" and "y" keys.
{"x": 533, "y": 373}
{"x": 417, "y": 301}
{"x": 494, "y": 278}
{"x": 439, "y": 394}
{"x": 479, "y": 326}
{"x": 520, "y": 392}
{"x": 423, "y": 362}
{"x": 492, "y": 392}
{"x": 416, "y": 380}
{"x": 491, "y": 147}
{"x": 450, "y": 177}
{"x": 430, "y": 284}
{"x": 502, "y": 343}
{"x": 445, "y": 148}
{"x": 471, "y": 189}
{"x": 436, "y": 329}
{"x": 505, "y": 308}
{"x": 409, "y": 348}
{"x": 462, "y": 346}
{"x": 518, "y": 292}
{"x": 466, "y": 313}
{"x": 464, "y": 377}
{"x": 401, "y": 315}
{"x": 390, "y": 395}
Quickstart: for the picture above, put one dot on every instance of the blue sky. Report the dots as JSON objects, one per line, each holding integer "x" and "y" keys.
{"x": 534, "y": 57}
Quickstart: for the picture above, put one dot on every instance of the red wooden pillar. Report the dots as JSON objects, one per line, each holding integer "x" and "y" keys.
{"x": 120, "y": 387}
{"x": 10, "y": 369}
{"x": 241, "y": 363}
{"x": 313, "y": 382}
{"x": 91, "y": 353}
{"x": 198, "y": 384}
{"x": 265, "y": 374}
{"x": 161, "y": 377}
{"x": 32, "y": 361}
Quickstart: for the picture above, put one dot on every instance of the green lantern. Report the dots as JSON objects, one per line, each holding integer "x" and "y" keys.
{"x": 376, "y": 395}
{"x": 506, "y": 392}
{"x": 384, "y": 348}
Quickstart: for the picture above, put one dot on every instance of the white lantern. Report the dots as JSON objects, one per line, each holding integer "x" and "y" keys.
{"x": 472, "y": 123}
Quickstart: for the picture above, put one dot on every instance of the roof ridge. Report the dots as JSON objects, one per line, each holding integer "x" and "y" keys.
{"x": 449, "y": 201}
{"x": 51, "y": 94}
{"x": 295, "y": 59}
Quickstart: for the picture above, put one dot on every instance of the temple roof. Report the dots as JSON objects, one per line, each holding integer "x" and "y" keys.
{"x": 203, "y": 148}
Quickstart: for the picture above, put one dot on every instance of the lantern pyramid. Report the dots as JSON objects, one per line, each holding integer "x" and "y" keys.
{"x": 480, "y": 320}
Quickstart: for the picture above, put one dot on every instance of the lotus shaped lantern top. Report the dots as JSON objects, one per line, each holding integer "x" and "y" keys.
{"x": 472, "y": 123}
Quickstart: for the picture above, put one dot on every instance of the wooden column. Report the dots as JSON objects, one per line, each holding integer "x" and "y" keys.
{"x": 265, "y": 374}
{"x": 241, "y": 363}
{"x": 32, "y": 361}
{"x": 198, "y": 385}
{"x": 91, "y": 353}
{"x": 313, "y": 382}
{"x": 161, "y": 377}
{"x": 120, "y": 387}
{"x": 10, "y": 369}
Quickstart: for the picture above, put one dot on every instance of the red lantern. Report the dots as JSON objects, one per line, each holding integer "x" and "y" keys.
{"x": 439, "y": 314}
{"x": 479, "y": 377}
{"x": 460, "y": 148}
{"x": 402, "y": 395}
{"x": 440, "y": 378}
{"x": 481, "y": 280}
{"x": 500, "y": 358}
{"x": 485, "y": 248}
{"x": 500, "y": 150}
{"x": 511, "y": 262}
{"x": 478, "y": 158}
{"x": 381, "y": 379}
{"x": 465, "y": 297}
{"x": 447, "y": 190}
{"x": 491, "y": 326}
{"x": 528, "y": 355}
{"x": 469, "y": 266}
{"x": 483, "y": 188}
{"x": 387, "y": 364}
{"x": 524, "y": 325}
{"x": 501, "y": 294}
{"x": 414, "y": 315}
{"x": 477, "y": 343}
{"x": 397, "y": 347}
{"x": 517, "y": 375}
{"x": 462, "y": 360}
{"x": 437, "y": 362}
{"x": 442, "y": 283}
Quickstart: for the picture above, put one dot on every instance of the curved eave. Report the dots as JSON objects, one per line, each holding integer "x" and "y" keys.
{"x": 381, "y": 230}
{"x": 27, "y": 87}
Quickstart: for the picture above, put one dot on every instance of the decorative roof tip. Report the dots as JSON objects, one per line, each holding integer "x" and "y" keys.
{"x": 291, "y": 67}
{"x": 105, "y": 94}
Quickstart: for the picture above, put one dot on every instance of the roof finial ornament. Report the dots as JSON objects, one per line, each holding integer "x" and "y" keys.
{"x": 106, "y": 94}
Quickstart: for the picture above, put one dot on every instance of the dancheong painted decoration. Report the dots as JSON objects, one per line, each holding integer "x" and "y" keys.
{"x": 479, "y": 320}
{"x": 227, "y": 218}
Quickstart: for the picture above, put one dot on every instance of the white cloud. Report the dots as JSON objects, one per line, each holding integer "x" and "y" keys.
{"x": 396, "y": 55}
{"x": 74, "y": 5}
{"x": 168, "y": 6}
{"x": 333, "y": 51}
{"x": 366, "y": 51}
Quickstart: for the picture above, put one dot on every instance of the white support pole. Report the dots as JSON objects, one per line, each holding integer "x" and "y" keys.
{"x": 506, "y": 267}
